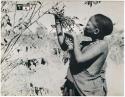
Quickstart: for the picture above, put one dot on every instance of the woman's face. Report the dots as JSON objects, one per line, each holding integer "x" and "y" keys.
{"x": 90, "y": 27}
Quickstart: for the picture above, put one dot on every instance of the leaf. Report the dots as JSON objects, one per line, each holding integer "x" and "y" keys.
{"x": 2, "y": 24}
{"x": 56, "y": 4}
{"x": 53, "y": 26}
{"x": 75, "y": 17}
{"x": 90, "y": 3}
{"x": 5, "y": 40}
{"x": 2, "y": 44}
{"x": 9, "y": 24}
{"x": 39, "y": 2}
{"x": 81, "y": 25}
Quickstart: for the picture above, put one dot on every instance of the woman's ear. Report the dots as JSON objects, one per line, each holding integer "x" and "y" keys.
{"x": 96, "y": 31}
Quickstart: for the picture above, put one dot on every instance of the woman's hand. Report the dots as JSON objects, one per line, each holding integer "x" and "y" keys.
{"x": 71, "y": 36}
{"x": 69, "y": 42}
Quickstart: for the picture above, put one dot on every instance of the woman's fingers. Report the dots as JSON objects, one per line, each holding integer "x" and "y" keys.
{"x": 69, "y": 42}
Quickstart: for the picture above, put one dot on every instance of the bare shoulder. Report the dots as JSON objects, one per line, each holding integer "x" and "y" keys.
{"x": 103, "y": 45}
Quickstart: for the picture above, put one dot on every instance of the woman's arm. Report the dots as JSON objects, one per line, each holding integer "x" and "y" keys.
{"x": 60, "y": 34}
{"x": 89, "y": 54}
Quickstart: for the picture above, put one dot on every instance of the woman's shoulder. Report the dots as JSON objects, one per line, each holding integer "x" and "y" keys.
{"x": 103, "y": 45}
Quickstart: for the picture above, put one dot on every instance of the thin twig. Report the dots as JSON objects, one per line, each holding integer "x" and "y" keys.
{"x": 22, "y": 32}
{"x": 3, "y": 58}
{"x": 41, "y": 6}
{"x": 9, "y": 71}
{"x": 32, "y": 12}
{"x": 10, "y": 43}
{"x": 14, "y": 17}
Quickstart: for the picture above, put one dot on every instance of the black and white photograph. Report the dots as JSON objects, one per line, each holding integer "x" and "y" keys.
{"x": 62, "y": 48}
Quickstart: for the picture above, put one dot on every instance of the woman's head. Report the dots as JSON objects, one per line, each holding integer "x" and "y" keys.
{"x": 98, "y": 26}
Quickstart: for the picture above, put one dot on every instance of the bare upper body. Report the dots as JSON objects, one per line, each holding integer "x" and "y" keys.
{"x": 93, "y": 55}
{"x": 87, "y": 62}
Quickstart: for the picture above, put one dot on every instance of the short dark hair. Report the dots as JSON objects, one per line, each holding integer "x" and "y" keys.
{"x": 104, "y": 24}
